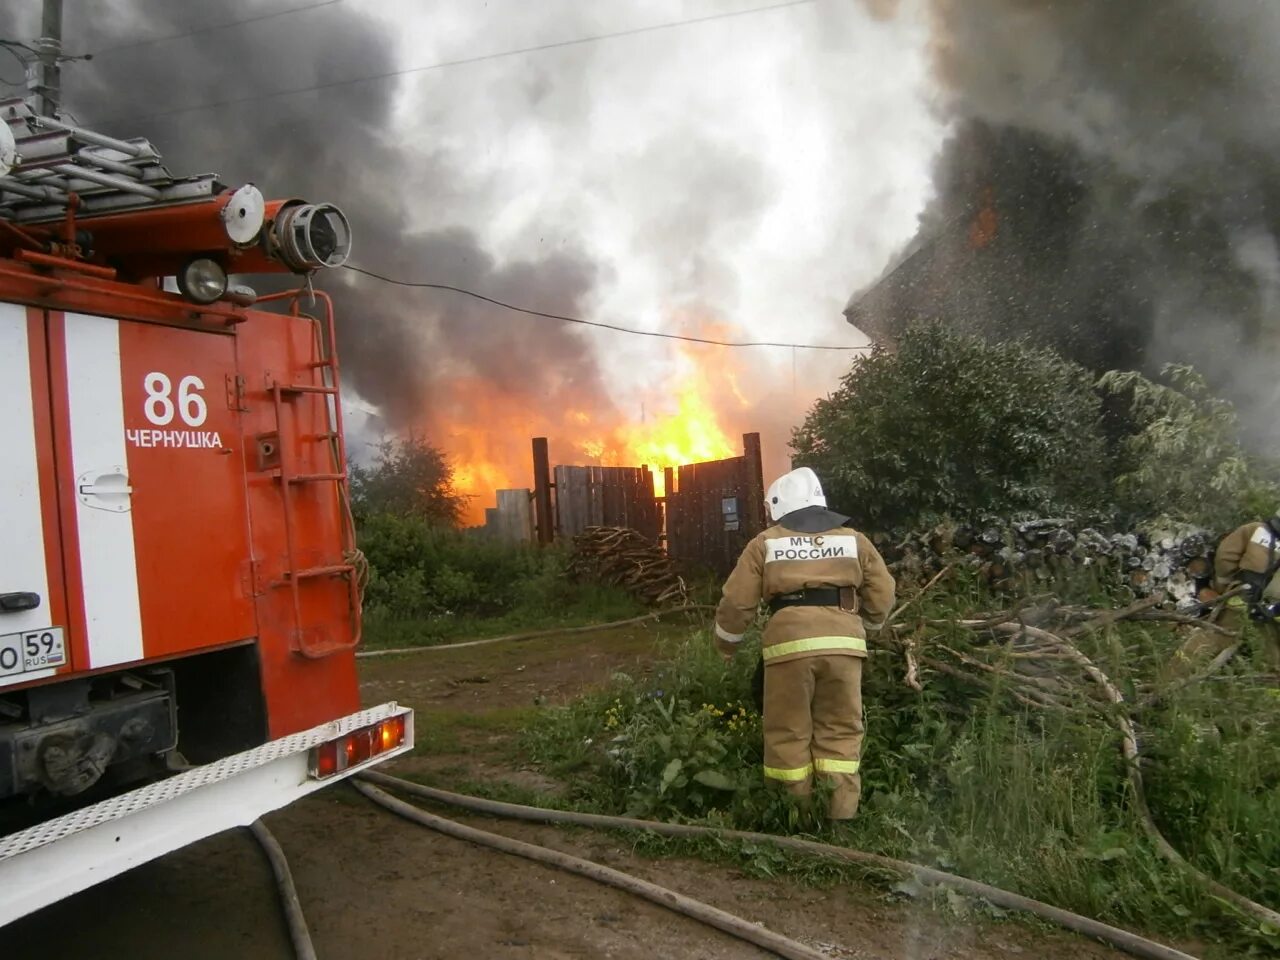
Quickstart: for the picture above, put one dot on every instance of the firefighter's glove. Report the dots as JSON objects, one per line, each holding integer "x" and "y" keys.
{"x": 1253, "y": 583}
{"x": 727, "y": 644}
{"x": 1265, "y": 612}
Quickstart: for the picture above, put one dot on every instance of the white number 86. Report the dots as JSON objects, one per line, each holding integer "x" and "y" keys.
{"x": 159, "y": 407}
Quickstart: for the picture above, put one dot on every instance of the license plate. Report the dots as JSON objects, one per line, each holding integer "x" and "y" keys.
{"x": 31, "y": 650}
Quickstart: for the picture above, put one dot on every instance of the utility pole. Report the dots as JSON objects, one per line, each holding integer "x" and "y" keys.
{"x": 46, "y": 83}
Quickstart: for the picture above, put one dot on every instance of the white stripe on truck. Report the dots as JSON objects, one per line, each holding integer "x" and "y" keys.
{"x": 22, "y": 561}
{"x": 108, "y": 567}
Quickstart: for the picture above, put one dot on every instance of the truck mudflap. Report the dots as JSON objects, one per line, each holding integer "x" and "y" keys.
{"x": 60, "y": 857}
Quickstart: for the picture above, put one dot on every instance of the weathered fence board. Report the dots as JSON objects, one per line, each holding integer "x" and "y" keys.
{"x": 511, "y": 521}
{"x": 716, "y": 508}
{"x": 709, "y": 512}
{"x": 603, "y": 496}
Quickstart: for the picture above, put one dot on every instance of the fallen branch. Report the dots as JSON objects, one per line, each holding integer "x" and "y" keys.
{"x": 1216, "y": 664}
{"x": 1114, "y": 616}
{"x": 912, "y": 679}
{"x": 1129, "y": 747}
{"x": 923, "y": 590}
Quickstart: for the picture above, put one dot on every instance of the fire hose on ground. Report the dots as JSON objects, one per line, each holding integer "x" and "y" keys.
{"x": 303, "y": 948}
{"x": 775, "y": 943}
{"x": 1124, "y": 940}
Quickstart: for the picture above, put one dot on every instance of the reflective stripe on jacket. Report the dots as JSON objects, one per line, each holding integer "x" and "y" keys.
{"x": 781, "y": 561}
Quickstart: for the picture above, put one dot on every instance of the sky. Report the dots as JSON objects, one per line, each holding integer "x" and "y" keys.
{"x": 738, "y": 175}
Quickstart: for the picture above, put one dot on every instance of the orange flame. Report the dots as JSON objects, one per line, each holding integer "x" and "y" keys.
{"x": 691, "y": 433}
{"x": 986, "y": 224}
{"x": 697, "y": 414}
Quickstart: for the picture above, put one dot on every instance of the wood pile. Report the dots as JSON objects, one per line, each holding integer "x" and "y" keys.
{"x": 1177, "y": 564}
{"x": 622, "y": 557}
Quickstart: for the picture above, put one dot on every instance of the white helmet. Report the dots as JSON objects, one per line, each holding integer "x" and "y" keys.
{"x": 793, "y": 491}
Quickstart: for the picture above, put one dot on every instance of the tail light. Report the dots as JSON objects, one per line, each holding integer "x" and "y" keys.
{"x": 355, "y": 748}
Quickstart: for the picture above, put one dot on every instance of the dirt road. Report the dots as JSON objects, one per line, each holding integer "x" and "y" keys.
{"x": 378, "y": 888}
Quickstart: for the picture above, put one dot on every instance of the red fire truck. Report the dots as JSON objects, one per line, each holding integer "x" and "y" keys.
{"x": 179, "y": 585}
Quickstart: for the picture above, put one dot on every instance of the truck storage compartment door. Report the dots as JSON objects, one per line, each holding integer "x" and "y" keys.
{"x": 151, "y": 474}
{"x": 33, "y": 641}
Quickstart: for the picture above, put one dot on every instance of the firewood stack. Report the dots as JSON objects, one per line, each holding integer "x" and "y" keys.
{"x": 1177, "y": 563}
{"x": 621, "y": 556}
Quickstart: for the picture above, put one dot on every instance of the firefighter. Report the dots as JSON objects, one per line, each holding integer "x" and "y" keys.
{"x": 820, "y": 579}
{"x": 1248, "y": 559}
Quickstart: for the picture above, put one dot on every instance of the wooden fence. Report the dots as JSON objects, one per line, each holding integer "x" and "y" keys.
{"x": 709, "y": 512}
{"x": 511, "y": 521}
{"x": 714, "y": 508}
{"x": 605, "y": 496}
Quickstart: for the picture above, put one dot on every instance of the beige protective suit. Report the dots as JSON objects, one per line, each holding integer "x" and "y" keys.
{"x": 1250, "y": 553}
{"x": 822, "y": 579}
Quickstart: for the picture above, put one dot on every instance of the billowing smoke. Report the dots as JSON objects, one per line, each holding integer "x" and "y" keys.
{"x": 404, "y": 351}
{"x": 697, "y": 165}
{"x": 1111, "y": 186}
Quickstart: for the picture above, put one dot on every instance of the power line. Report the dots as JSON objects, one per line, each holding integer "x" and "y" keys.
{"x": 594, "y": 323}
{"x": 215, "y": 27}
{"x": 370, "y": 78}
{"x": 11, "y": 47}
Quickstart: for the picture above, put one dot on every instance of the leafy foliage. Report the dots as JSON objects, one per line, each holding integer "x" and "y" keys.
{"x": 949, "y": 424}
{"x": 1185, "y": 461}
{"x": 409, "y": 478}
{"x": 428, "y": 582}
{"x": 685, "y": 744}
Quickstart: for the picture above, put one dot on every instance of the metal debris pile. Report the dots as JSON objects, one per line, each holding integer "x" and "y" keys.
{"x": 1022, "y": 556}
{"x": 624, "y": 558}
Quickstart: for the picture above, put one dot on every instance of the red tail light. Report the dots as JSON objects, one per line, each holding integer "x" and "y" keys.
{"x": 357, "y": 747}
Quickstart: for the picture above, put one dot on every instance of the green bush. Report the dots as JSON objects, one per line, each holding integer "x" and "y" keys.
{"x": 428, "y": 583}
{"x": 408, "y": 477}
{"x": 1184, "y": 460}
{"x": 951, "y": 425}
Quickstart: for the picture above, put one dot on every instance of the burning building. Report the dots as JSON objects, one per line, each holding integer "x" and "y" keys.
{"x": 1107, "y": 189}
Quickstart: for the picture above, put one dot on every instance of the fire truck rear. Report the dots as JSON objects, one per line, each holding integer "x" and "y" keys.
{"x": 180, "y": 585}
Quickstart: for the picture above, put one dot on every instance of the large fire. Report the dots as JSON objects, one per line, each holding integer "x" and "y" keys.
{"x": 690, "y": 433}
{"x": 696, "y": 414}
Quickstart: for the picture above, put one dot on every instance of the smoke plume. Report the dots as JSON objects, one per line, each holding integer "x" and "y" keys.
{"x": 696, "y": 165}
{"x": 1111, "y": 186}
{"x": 403, "y": 351}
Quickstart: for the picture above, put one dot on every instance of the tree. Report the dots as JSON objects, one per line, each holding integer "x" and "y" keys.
{"x": 1184, "y": 461}
{"x": 951, "y": 425}
{"x": 408, "y": 477}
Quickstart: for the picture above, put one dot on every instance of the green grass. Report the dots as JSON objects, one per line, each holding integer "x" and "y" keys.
{"x": 587, "y": 604}
{"x": 1031, "y": 802}
{"x": 440, "y": 732}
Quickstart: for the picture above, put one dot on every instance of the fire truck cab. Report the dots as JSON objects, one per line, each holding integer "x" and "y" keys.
{"x": 180, "y": 586}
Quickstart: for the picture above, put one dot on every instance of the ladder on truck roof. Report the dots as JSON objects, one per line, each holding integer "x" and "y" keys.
{"x": 55, "y": 160}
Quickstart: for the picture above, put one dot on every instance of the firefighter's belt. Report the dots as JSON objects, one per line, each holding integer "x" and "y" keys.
{"x": 809, "y": 597}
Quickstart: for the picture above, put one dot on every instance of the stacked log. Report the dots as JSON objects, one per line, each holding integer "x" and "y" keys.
{"x": 1175, "y": 563}
{"x": 624, "y": 558}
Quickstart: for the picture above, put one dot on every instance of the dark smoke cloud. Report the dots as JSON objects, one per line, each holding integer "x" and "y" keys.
{"x": 400, "y": 348}
{"x": 1112, "y": 186}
